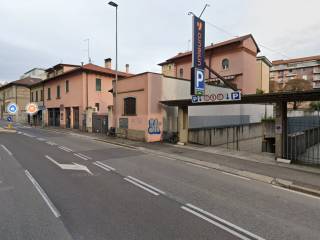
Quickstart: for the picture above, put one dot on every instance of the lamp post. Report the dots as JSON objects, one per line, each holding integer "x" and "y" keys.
{"x": 113, "y": 4}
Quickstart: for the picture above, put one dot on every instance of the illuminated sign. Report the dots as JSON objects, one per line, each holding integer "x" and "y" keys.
{"x": 217, "y": 97}
{"x": 198, "y": 57}
{"x": 12, "y": 108}
{"x": 32, "y": 108}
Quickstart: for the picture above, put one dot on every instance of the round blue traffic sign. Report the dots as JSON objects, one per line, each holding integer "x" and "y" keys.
{"x": 12, "y": 108}
{"x": 9, "y": 119}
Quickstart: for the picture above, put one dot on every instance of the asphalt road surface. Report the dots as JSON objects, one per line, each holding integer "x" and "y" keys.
{"x": 61, "y": 186}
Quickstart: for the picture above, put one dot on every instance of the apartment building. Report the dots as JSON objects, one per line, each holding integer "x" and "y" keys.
{"x": 72, "y": 93}
{"x": 306, "y": 68}
{"x": 235, "y": 60}
{"x": 17, "y": 92}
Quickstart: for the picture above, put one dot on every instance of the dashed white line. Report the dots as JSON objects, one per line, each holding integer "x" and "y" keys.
{"x": 234, "y": 175}
{"x": 85, "y": 156}
{"x": 51, "y": 143}
{"x": 147, "y": 185}
{"x": 100, "y": 166}
{"x": 65, "y": 148}
{"x": 7, "y": 150}
{"x": 41, "y": 139}
{"x": 79, "y": 156}
{"x": 140, "y": 186}
{"x": 107, "y": 166}
{"x": 221, "y": 223}
{"x": 196, "y": 165}
{"x": 43, "y": 195}
{"x": 296, "y": 192}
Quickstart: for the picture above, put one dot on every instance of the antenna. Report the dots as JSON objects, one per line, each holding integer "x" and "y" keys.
{"x": 88, "y": 41}
{"x": 207, "y": 5}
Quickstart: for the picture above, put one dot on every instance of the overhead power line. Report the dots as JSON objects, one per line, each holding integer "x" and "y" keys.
{"x": 233, "y": 35}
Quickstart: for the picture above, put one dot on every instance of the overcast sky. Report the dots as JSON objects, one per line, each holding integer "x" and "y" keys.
{"x": 41, "y": 33}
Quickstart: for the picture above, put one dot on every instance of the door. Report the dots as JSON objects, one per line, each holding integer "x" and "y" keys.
{"x": 76, "y": 117}
{"x": 68, "y": 117}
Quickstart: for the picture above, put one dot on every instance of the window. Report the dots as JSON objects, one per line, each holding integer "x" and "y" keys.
{"x": 58, "y": 91}
{"x": 31, "y": 96}
{"x": 67, "y": 85}
{"x": 225, "y": 64}
{"x": 97, "y": 105}
{"x": 181, "y": 73}
{"x": 49, "y": 94}
{"x": 37, "y": 96}
{"x": 41, "y": 95}
{"x": 129, "y": 106}
{"x": 98, "y": 84}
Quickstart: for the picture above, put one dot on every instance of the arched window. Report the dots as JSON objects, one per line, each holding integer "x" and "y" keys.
{"x": 225, "y": 64}
{"x": 181, "y": 73}
{"x": 129, "y": 106}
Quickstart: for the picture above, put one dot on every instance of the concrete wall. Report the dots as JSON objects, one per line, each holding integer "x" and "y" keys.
{"x": 245, "y": 137}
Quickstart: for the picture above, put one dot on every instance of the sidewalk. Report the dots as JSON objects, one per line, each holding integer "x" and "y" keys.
{"x": 261, "y": 167}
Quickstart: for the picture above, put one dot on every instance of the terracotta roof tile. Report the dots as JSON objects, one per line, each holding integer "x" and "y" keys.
{"x": 295, "y": 60}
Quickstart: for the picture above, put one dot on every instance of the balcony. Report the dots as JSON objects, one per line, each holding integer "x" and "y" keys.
{"x": 316, "y": 85}
{"x": 316, "y": 70}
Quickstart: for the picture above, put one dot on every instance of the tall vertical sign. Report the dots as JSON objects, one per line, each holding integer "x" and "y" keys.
{"x": 198, "y": 57}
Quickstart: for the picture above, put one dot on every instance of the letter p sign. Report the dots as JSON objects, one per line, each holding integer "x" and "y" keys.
{"x": 199, "y": 81}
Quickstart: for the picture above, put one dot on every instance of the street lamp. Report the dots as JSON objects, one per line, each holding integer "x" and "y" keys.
{"x": 113, "y": 4}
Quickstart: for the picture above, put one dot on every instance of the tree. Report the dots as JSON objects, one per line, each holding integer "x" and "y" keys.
{"x": 275, "y": 86}
{"x": 297, "y": 85}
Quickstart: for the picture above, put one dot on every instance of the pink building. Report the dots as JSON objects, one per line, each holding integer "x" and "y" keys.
{"x": 234, "y": 59}
{"x": 72, "y": 92}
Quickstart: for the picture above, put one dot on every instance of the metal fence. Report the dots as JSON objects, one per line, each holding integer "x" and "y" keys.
{"x": 303, "y": 139}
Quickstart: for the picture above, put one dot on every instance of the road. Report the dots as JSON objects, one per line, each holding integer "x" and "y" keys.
{"x": 61, "y": 186}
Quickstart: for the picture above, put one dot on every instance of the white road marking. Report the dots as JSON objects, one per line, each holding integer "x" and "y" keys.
{"x": 140, "y": 186}
{"x": 41, "y": 139}
{"x": 196, "y": 165}
{"x": 73, "y": 166}
{"x": 100, "y": 166}
{"x": 235, "y": 175}
{"x": 79, "y": 156}
{"x": 107, "y": 166}
{"x": 219, "y": 222}
{"x": 51, "y": 143}
{"x": 147, "y": 185}
{"x": 65, "y": 149}
{"x": 43, "y": 195}
{"x": 7, "y": 150}
{"x": 85, "y": 156}
{"x": 296, "y": 192}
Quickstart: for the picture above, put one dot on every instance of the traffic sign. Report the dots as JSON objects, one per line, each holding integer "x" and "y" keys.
{"x": 9, "y": 119}
{"x": 12, "y": 108}
{"x": 217, "y": 97}
{"x": 32, "y": 108}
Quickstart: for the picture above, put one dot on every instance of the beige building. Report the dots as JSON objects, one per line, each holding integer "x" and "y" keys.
{"x": 17, "y": 92}
{"x": 263, "y": 73}
{"x": 37, "y": 96}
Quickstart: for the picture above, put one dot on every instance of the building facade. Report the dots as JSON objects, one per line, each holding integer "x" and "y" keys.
{"x": 17, "y": 92}
{"x": 37, "y": 97}
{"x": 263, "y": 73}
{"x": 307, "y": 69}
{"x": 72, "y": 93}
{"x": 235, "y": 60}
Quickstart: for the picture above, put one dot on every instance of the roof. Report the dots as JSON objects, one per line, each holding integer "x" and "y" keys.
{"x": 91, "y": 68}
{"x": 310, "y": 95}
{"x": 27, "y": 82}
{"x": 213, "y": 46}
{"x": 62, "y": 65}
{"x": 265, "y": 60}
{"x": 295, "y": 60}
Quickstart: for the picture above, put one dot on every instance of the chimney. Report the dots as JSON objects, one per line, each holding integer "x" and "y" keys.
{"x": 107, "y": 63}
{"x": 127, "y": 68}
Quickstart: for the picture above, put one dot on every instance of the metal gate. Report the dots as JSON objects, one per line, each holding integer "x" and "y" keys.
{"x": 303, "y": 139}
{"x": 99, "y": 123}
